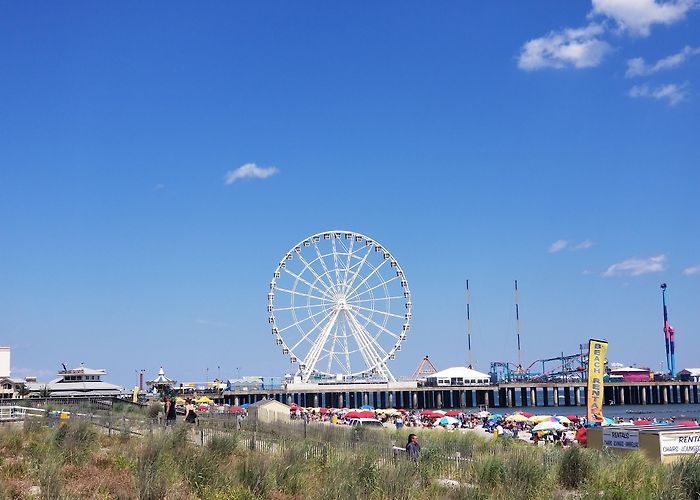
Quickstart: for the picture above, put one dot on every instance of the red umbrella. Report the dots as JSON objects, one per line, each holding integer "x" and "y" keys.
{"x": 236, "y": 409}
{"x": 353, "y": 414}
{"x": 427, "y": 413}
{"x": 401, "y": 410}
{"x": 573, "y": 418}
{"x": 323, "y": 410}
{"x": 641, "y": 421}
{"x": 453, "y": 413}
{"x": 366, "y": 414}
{"x": 528, "y": 414}
{"x": 687, "y": 424}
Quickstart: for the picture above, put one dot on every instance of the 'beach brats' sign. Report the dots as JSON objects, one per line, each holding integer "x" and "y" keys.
{"x": 596, "y": 370}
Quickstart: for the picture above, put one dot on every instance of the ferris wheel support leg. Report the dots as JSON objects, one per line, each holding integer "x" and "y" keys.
{"x": 315, "y": 351}
{"x": 371, "y": 347}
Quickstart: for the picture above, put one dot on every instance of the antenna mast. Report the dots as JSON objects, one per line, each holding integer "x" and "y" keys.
{"x": 517, "y": 327}
{"x": 469, "y": 331}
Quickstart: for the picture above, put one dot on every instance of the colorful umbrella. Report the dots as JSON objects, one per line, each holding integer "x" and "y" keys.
{"x": 518, "y": 417}
{"x": 548, "y": 426}
{"x": 448, "y": 421}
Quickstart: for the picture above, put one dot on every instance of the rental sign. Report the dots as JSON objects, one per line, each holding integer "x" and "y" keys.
{"x": 596, "y": 370}
{"x": 679, "y": 443}
{"x": 620, "y": 438}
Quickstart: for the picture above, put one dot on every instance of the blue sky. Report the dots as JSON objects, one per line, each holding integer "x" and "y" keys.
{"x": 469, "y": 140}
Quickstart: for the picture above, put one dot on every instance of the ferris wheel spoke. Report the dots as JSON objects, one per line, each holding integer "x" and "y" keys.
{"x": 294, "y": 292}
{"x": 383, "y": 283}
{"x": 374, "y": 271}
{"x": 383, "y": 328}
{"x": 299, "y": 278}
{"x": 307, "y": 318}
{"x": 313, "y": 271}
{"x": 325, "y": 268}
{"x": 347, "y": 263}
{"x": 359, "y": 268}
{"x": 332, "y": 350}
{"x": 315, "y": 351}
{"x": 378, "y": 311}
{"x": 312, "y": 330}
{"x": 395, "y": 297}
{"x": 305, "y": 306}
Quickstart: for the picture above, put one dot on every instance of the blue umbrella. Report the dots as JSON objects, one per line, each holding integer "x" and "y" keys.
{"x": 495, "y": 416}
{"x": 366, "y": 407}
{"x": 448, "y": 421}
{"x": 245, "y": 406}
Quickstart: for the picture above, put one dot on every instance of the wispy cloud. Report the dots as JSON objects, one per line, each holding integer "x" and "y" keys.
{"x": 638, "y": 67}
{"x": 249, "y": 170}
{"x": 637, "y": 16}
{"x": 570, "y": 47}
{"x": 584, "y": 245}
{"x": 673, "y": 92}
{"x": 637, "y": 267}
{"x": 40, "y": 373}
{"x": 558, "y": 246}
{"x": 158, "y": 187}
{"x": 688, "y": 271}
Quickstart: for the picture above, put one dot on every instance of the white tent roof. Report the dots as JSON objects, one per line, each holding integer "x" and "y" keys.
{"x": 460, "y": 372}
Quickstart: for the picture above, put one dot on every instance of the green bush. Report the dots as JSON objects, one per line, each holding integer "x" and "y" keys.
{"x": 76, "y": 441}
{"x": 223, "y": 445}
{"x": 683, "y": 479}
{"x": 576, "y": 467}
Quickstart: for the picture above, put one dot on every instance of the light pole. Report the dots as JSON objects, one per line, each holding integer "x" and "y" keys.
{"x": 667, "y": 336}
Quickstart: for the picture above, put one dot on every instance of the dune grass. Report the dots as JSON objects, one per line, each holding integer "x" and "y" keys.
{"x": 77, "y": 460}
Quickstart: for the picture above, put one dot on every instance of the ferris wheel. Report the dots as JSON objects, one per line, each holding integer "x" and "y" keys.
{"x": 339, "y": 306}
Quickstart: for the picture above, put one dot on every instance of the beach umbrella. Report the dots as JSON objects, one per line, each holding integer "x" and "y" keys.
{"x": 323, "y": 410}
{"x": 573, "y": 418}
{"x": 366, "y": 414}
{"x": 205, "y": 400}
{"x": 439, "y": 412}
{"x": 536, "y": 419}
{"x": 401, "y": 410}
{"x": 448, "y": 421}
{"x": 495, "y": 416}
{"x": 236, "y": 409}
{"x": 352, "y": 414}
{"x": 642, "y": 421}
{"x": 366, "y": 407}
{"x": 562, "y": 419}
{"x": 426, "y": 413}
{"x": 526, "y": 414}
{"x": 453, "y": 413}
{"x": 517, "y": 417}
{"x": 548, "y": 426}
{"x": 687, "y": 424}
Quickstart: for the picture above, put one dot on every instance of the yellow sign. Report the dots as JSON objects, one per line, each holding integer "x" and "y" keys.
{"x": 596, "y": 370}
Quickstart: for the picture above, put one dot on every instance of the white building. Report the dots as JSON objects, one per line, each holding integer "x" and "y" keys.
{"x": 78, "y": 382}
{"x": 457, "y": 376}
{"x": 4, "y": 362}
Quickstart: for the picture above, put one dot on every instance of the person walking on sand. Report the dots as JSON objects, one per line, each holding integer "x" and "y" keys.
{"x": 190, "y": 414}
{"x": 170, "y": 413}
{"x": 413, "y": 448}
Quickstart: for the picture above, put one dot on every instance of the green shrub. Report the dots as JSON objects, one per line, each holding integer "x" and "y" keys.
{"x": 223, "y": 445}
{"x": 76, "y": 441}
{"x": 576, "y": 467}
{"x": 50, "y": 480}
{"x": 151, "y": 481}
{"x": 684, "y": 478}
{"x": 254, "y": 473}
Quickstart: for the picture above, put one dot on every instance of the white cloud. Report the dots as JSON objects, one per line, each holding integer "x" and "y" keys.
{"x": 578, "y": 47}
{"x": 637, "y": 267}
{"x": 249, "y": 170}
{"x": 674, "y": 92}
{"x": 638, "y": 67}
{"x": 158, "y": 187}
{"x": 637, "y": 16}
{"x": 558, "y": 246}
{"x": 688, "y": 271}
{"x": 584, "y": 245}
